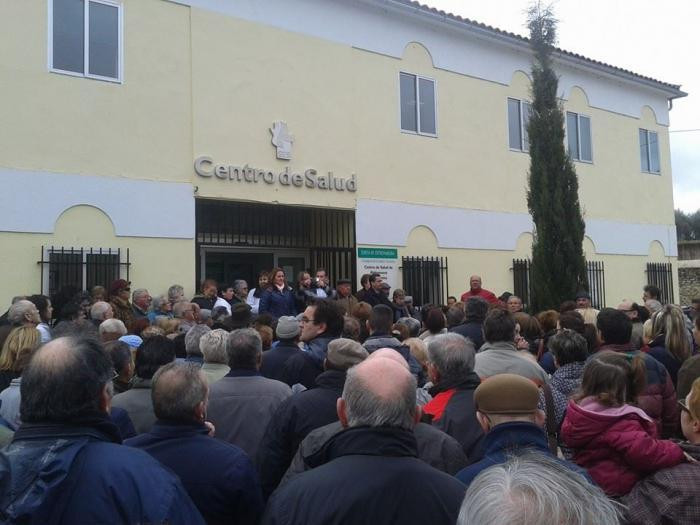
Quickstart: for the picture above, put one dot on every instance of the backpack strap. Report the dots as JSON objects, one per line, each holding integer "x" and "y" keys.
{"x": 551, "y": 425}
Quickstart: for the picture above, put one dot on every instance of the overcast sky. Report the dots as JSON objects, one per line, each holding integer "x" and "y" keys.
{"x": 656, "y": 39}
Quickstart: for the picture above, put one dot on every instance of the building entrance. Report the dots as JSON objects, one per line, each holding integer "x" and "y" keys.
{"x": 237, "y": 240}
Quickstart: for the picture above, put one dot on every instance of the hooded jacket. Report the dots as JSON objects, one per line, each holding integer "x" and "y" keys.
{"x": 618, "y": 446}
{"x": 668, "y": 496}
{"x": 294, "y": 419}
{"x": 67, "y": 473}
{"x": 452, "y": 410}
{"x": 349, "y": 484}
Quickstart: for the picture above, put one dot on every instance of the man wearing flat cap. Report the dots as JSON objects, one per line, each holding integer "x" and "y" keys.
{"x": 287, "y": 332}
{"x": 506, "y": 409}
{"x": 306, "y": 411}
{"x": 585, "y": 308}
{"x": 345, "y": 299}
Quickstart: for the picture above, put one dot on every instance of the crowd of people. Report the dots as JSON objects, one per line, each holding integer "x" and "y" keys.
{"x": 309, "y": 404}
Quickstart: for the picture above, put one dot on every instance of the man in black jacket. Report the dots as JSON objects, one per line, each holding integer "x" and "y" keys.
{"x": 306, "y": 411}
{"x": 287, "y": 332}
{"x": 370, "y": 472}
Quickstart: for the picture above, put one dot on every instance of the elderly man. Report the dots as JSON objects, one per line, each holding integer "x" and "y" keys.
{"x": 240, "y": 292}
{"x": 242, "y": 403}
{"x": 111, "y": 330}
{"x": 213, "y": 347}
{"x": 218, "y": 476}
{"x": 321, "y": 322}
{"x": 119, "y": 293}
{"x": 514, "y": 304}
{"x": 287, "y": 332}
{"x": 120, "y": 354}
{"x": 475, "y": 290}
{"x": 535, "y": 488}
{"x": 584, "y": 307}
{"x": 344, "y": 296}
{"x": 23, "y": 313}
{"x": 498, "y": 355}
{"x": 100, "y": 311}
{"x": 507, "y": 412}
{"x": 184, "y": 312}
{"x": 140, "y": 303}
{"x": 306, "y": 411}
{"x": 155, "y": 352}
{"x": 670, "y": 495}
{"x": 192, "y": 340}
{"x": 368, "y": 470}
{"x": 88, "y": 477}
{"x": 451, "y": 370}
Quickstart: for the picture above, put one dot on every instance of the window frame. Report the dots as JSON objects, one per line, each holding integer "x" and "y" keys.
{"x": 648, "y": 132}
{"x": 86, "y": 42}
{"x": 418, "y": 78}
{"x": 524, "y": 146}
{"x": 85, "y": 252}
{"x": 578, "y": 135}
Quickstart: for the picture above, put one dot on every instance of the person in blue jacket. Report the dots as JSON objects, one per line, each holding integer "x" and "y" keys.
{"x": 66, "y": 464}
{"x": 218, "y": 476}
{"x": 278, "y": 299}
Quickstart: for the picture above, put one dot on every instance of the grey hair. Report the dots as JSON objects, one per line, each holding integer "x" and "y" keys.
{"x": 244, "y": 348}
{"x": 19, "y": 310}
{"x": 180, "y": 307}
{"x": 176, "y": 397}
{"x": 365, "y": 408}
{"x": 112, "y": 326}
{"x": 159, "y": 301}
{"x": 412, "y": 324}
{"x": 238, "y": 283}
{"x": 98, "y": 310}
{"x": 193, "y": 337}
{"x": 452, "y": 355}
{"x": 213, "y": 346}
{"x": 138, "y": 293}
{"x": 175, "y": 291}
{"x": 535, "y": 488}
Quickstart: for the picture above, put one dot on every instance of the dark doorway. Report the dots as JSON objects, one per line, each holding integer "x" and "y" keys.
{"x": 226, "y": 267}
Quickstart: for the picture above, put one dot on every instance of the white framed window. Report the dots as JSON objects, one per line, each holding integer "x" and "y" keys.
{"x": 578, "y": 135}
{"x": 85, "y": 38}
{"x": 649, "y": 151}
{"x": 519, "y": 112}
{"x": 418, "y": 104}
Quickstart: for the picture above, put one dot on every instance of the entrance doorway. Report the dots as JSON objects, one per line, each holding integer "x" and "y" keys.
{"x": 237, "y": 240}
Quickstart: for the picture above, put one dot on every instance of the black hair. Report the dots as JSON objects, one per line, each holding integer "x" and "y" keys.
{"x": 499, "y": 325}
{"x": 572, "y": 320}
{"x": 120, "y": 353}
{"x": 435, "y": 320}
{"x": 455, "y": 316}
{"x": 373, "y": 277}
{"x": 64, "y": 391}
{"x": 653, "y": 291}
{"x": 153, "y": 353}
{"x": 568, "y": 346}
{"x": 381, "y": 319}
{"x": 330, "y": 313}
{"x": 70, "y": 312}
{"x": 42, "y": 303}
{"x": 476, "y": 309}
{"x": 615, "y": 327}
{"x": 642, "y": 313}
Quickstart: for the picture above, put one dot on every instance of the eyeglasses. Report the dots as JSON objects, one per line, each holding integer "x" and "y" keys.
{"x": 307, "y": 320}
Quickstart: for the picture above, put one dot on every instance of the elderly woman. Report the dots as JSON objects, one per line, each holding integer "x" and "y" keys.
{"x": 161, "y": 308}
{"x": 213, "y": 347}
{"x": 101, "y": 311}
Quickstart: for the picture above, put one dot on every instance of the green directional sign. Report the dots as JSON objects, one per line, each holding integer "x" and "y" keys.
{"x": 377, "y": 253}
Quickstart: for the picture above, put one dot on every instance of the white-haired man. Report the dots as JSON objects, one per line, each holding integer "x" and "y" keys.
{"x": 213, "y": 348}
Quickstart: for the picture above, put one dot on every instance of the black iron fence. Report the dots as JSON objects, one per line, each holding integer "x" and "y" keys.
{"x": 425, "y": 279}
{"x": 81, "y": 267}
{"x": 595, "y": 271}
{"x": 661, "y": 276}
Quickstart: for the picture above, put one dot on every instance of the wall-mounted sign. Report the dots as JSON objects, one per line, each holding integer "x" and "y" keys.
{"x": 205, "y": 167}
{"x": 384, "y": 261}
{"x": 282, "y": 140}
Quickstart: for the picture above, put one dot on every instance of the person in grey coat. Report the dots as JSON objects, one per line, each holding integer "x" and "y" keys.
{"x": 153, "y": 353}
{"x": 242, "y": 403}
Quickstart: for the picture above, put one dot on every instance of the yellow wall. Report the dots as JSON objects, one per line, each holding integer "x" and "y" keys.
{"x": 155, "y": 263}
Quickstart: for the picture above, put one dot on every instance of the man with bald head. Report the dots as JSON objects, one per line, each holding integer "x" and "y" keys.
{"x": 66, "y": 463}
{"x": 475, "y": 290}
{"x": 372, "y": 462}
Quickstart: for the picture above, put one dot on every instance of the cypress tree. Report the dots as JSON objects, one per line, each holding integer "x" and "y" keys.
{"x": 558, "y": 267}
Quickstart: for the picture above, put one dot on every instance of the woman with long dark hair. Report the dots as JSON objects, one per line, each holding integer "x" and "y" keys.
{"x": 256, "y": 293}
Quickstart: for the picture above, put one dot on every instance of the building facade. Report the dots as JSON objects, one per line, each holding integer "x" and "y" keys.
{"x": 172, "y": 140}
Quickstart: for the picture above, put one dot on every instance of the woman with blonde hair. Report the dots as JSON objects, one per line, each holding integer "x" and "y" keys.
{"x": 670, "y": 342}
{"x": 21, "y": 338}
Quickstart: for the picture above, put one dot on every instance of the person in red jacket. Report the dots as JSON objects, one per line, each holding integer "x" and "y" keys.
{"x": 612, "y": 438}
{"x": 475, "y": 290}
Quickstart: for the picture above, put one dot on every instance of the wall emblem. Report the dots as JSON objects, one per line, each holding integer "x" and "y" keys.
{"x": 282, "y": 140}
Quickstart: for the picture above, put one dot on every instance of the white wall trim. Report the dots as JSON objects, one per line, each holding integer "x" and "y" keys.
{"x": 379, "y": 28}
{"x": 387, "y": 223}
{"x": 137, "y": 208}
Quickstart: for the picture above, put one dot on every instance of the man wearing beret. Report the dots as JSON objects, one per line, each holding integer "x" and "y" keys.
{"x": 306, "y": 411}
{"x": 506, "y": 409}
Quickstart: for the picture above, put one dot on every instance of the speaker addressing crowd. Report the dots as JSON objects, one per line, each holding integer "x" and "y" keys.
{"x": 299, "y": 402}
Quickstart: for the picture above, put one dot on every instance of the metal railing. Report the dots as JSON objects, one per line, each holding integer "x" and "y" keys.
{"x": 661, "y": 276}
{"x": 425, "y": 278}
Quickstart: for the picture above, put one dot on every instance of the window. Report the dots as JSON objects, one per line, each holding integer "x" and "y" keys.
{"x": 85, "y": 38}
{"x": 519, "y": 113}
{"x": 417, "y": 104}
{"x": 649, "y": 151}
{"x": 578, "y": 133}
{"x": 82, "y": 268}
